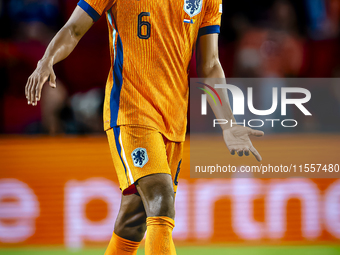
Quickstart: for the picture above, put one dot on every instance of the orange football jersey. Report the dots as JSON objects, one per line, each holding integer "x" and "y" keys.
{"x": 151, "y": 45}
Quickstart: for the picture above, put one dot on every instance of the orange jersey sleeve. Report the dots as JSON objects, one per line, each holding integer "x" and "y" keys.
{"x": 95, "y": 8}
{"x": 212, "y": 18}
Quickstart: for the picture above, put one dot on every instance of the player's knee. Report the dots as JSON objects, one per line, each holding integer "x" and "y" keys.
{"x": 158, "y": 195}
{"x": 131, "y": 226}
{"x": 161, "y": 204}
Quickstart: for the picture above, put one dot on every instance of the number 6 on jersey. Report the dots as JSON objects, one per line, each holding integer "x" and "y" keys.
{"x": 142, "y": 23}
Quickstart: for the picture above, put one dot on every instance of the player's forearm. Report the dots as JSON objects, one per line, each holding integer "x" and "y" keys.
{"x": 68, "y": 37}
{"x": 213, "y": 73}
{"x": 60, "y": 47}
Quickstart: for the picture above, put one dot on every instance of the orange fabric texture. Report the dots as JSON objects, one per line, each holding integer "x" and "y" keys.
{"x": 121, "y": 246}
{"x": 151, "y": 45}
{"x": 163, "y": 156}
{"x": 159, "y": 236}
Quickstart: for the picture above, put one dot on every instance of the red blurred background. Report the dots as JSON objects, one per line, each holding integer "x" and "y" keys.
{"x": 267, "y": 38}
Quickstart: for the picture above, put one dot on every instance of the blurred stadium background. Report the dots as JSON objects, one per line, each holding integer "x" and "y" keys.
{"x": 58, "y": 190}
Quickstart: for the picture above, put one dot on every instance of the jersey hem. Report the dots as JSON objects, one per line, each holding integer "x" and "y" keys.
{"x": 89, "y": 10}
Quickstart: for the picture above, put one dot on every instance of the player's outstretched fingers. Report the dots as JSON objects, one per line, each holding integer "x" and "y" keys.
{"x": 256, "y": 154}
{"x": 254, "y": 132}
{"x": 246, "y": 152}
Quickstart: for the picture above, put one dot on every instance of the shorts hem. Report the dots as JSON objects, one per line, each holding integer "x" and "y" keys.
{"x": 176, "y": 139}
{"x": 132, "y": 189}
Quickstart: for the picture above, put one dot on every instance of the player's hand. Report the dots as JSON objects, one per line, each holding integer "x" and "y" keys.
{"x": 36, "y": 81}
{"x": 237, "y": 140}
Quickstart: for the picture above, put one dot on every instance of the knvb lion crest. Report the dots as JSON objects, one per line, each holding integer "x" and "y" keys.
{"x": 139, "y": 157}
{"x": 193, "y": 7}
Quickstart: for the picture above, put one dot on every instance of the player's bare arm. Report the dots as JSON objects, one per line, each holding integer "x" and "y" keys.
{"x": 59, "y": 48}
{"x": 208, "y": 67}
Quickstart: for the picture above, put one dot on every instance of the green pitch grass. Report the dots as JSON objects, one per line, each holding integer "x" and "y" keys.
{"x": 277, "y": 250}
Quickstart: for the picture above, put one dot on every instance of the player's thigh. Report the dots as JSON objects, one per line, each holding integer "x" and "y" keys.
{"x": 158, "y": 190}
{"x": 143, "y": 157}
